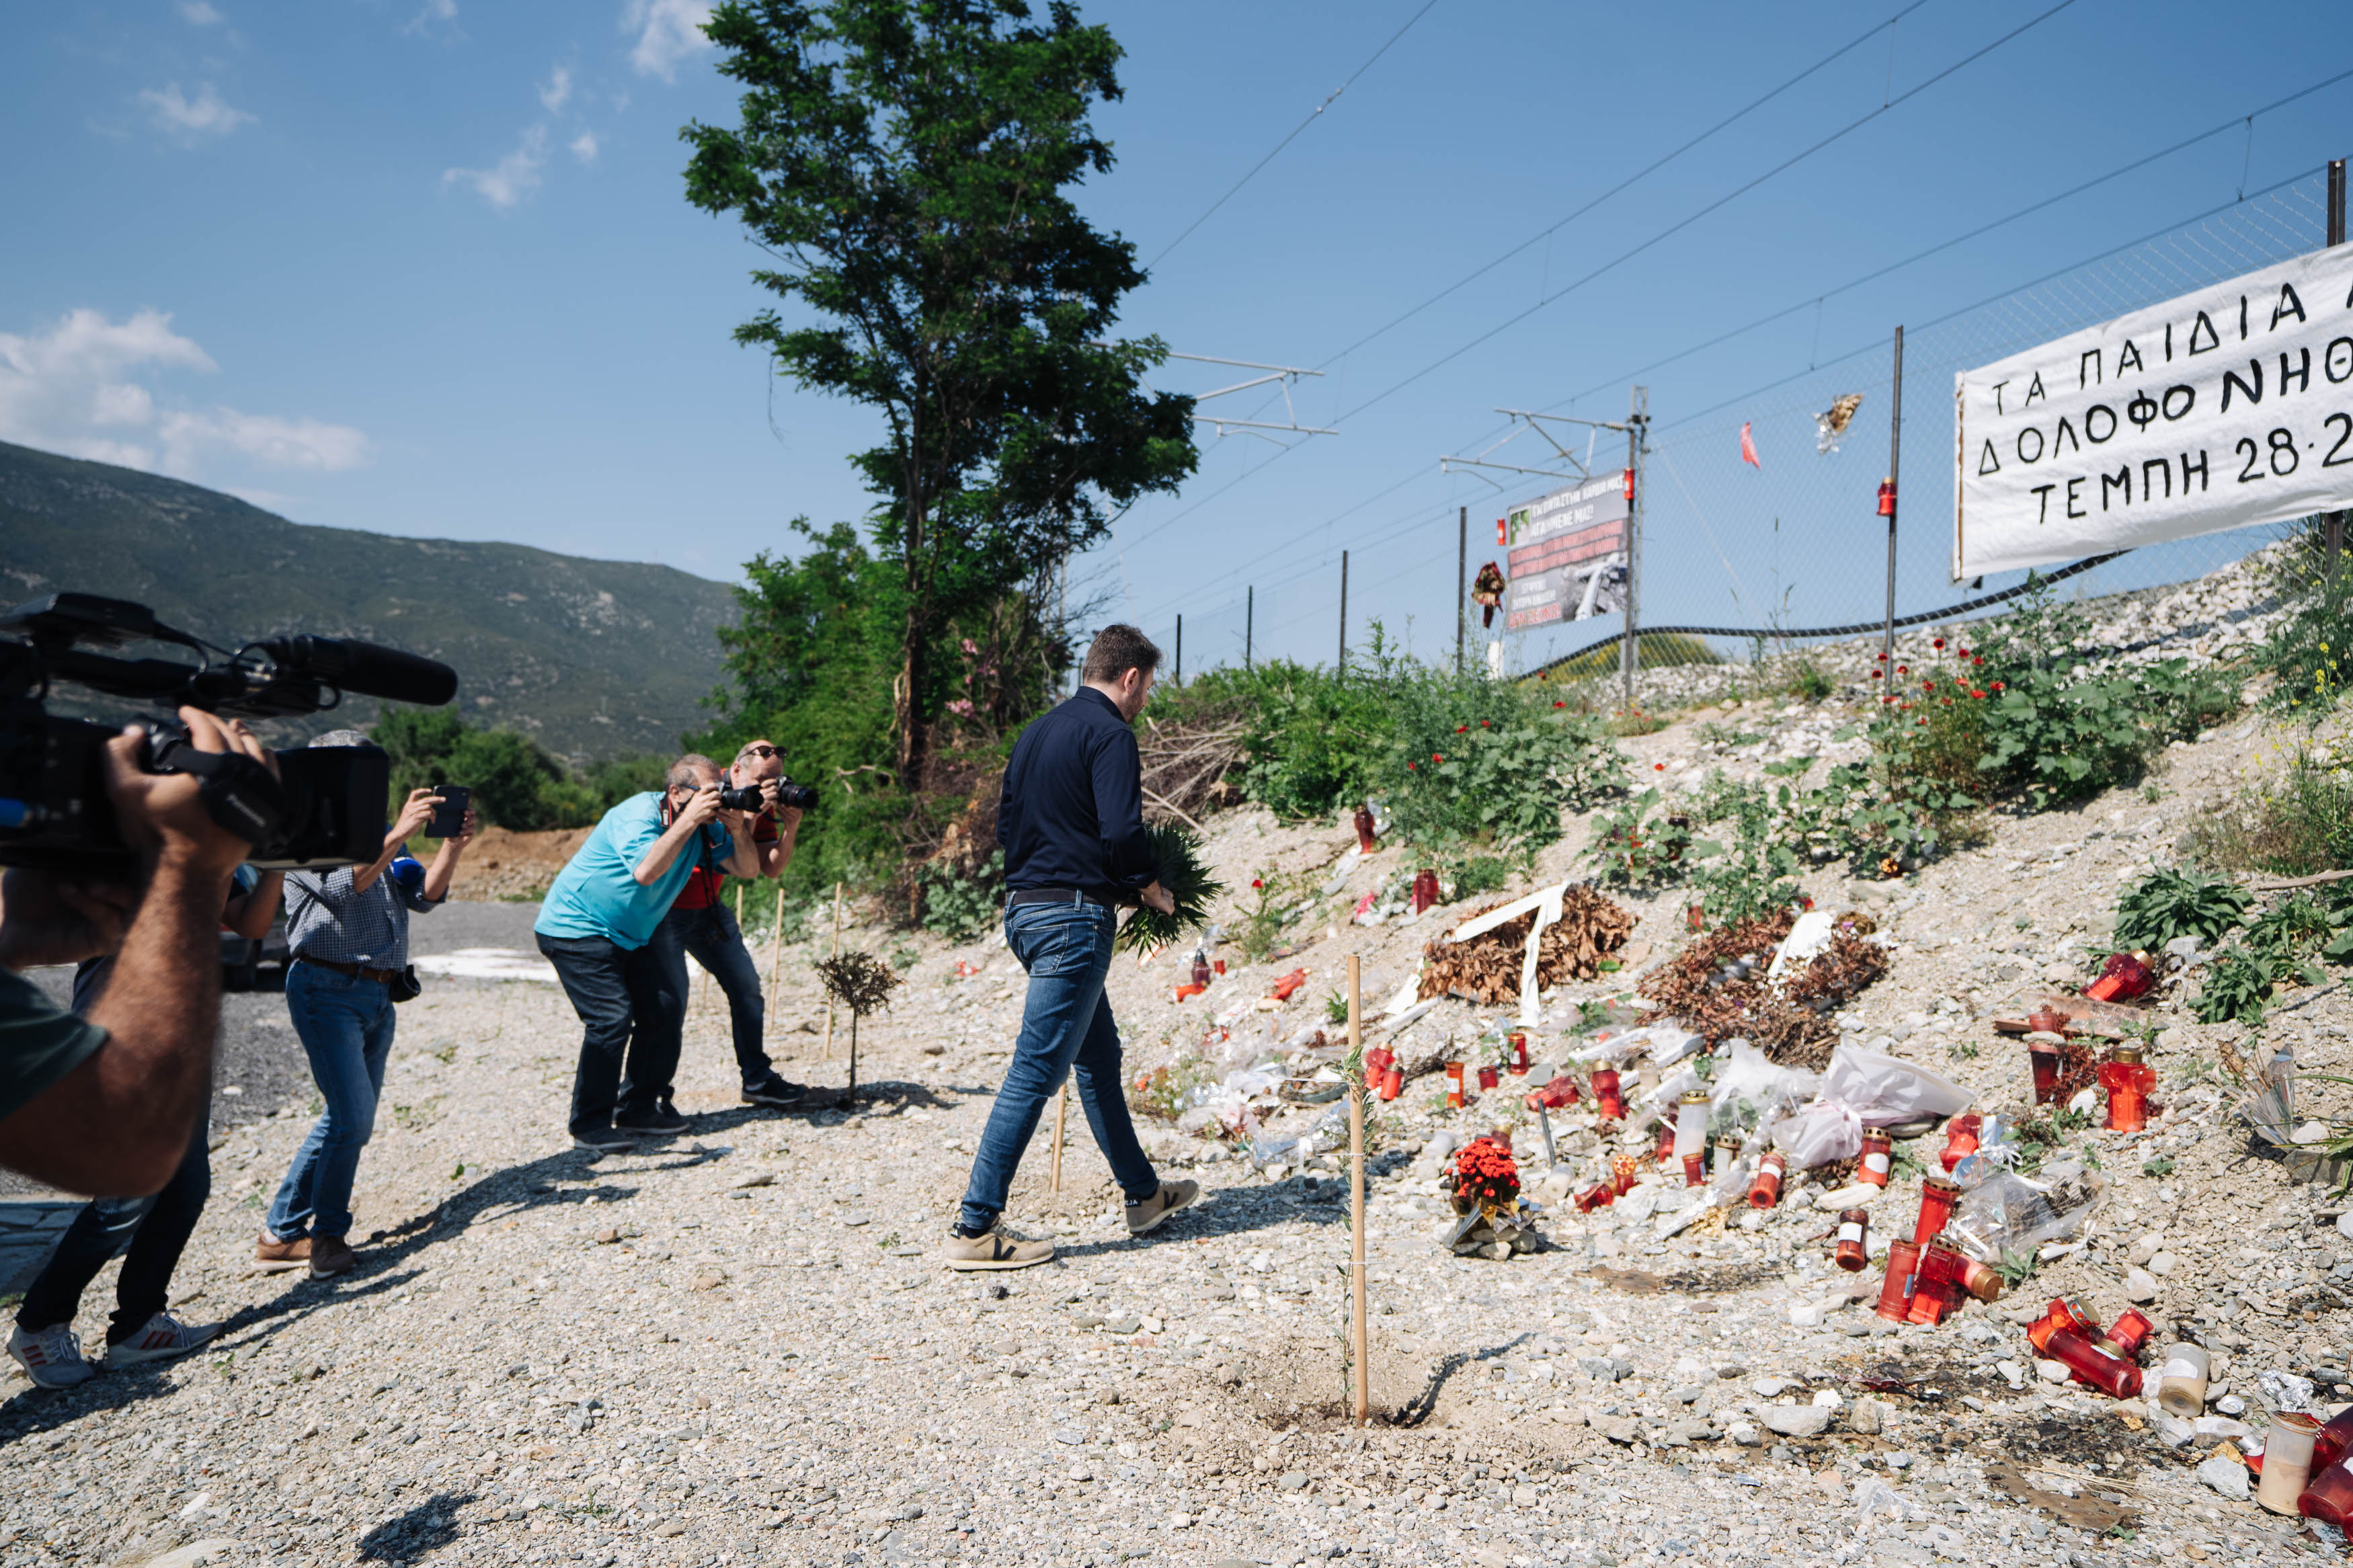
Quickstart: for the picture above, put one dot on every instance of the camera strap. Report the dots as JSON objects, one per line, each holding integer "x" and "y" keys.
{"x": 239, "y": 793}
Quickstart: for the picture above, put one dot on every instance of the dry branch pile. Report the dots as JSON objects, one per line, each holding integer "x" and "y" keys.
{"x": 1486, "y": 969}
{"x": 1184, "y": 767}
{"x": 1788, "y": 1021}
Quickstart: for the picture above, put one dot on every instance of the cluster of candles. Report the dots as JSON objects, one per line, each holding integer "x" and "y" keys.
{"x": 1490, "y": 1075}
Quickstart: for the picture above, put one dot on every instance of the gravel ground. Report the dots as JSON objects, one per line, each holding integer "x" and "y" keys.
{"x": 740, "y": 1347}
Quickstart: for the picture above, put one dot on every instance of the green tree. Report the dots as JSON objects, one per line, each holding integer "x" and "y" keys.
{"x": 908, "y": 163}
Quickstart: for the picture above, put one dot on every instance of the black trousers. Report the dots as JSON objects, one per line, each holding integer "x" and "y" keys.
{"x": 625, "y": 1009}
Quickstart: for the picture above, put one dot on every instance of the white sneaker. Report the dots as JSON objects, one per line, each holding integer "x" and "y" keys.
{"x": 51, "y": 1358}
{"x": 161, "y": 1337}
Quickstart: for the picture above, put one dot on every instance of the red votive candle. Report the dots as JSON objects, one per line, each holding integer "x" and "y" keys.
{"x": 1895, "y": 1291}
{"x": 1938, "y": 1197}
{"x": 1621, "y": 1175}
{"x": 2045, "y": 1056}
{"x": 2330, "y": 1495}
{"x": 1489, "y": 1077}
{"x": 1608, "y": 1103}
{"x": 1765, "y": 1190}
{"x": 1878, "y": 1158}
{"x": 2063, "y": 1313}
{"x": 1561, "y": 1090}
{"x": 2129, "y": 1334}
{"x": 2112, "y": 1375}
{"x": 1961, "y": 1138}
{"x": 1853, "y": 1252}
{"x": 1453, "y": 1083}
{"x": 2128, "y": 1079}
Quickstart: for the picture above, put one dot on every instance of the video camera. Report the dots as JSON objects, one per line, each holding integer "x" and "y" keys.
{"x": 799, "y": 797}
{"x": 327, "y": 806}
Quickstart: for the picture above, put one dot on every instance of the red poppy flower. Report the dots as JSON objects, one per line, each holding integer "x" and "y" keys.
{"x": 1462, "y": 729}
{"x": 1881, "y": 657}
{"x": 1961, "y": 652}
{"x": 1560, "y": 704}
{"x": 1928, "y": 686}
{"x": 1977, "y": 694}
{"x": 1484, "y": 723}
{"x": 1937, "y": 643}
{"x": 1878, "y": 674}
{"x": 1658, "y": 767}
{"x": 1979, "y": 659}
{"x": 1437, "y": 756}
{"x": 1997, "y": 686}
{"x": 1256, "y": 882}
{"x": 1903, "y": 670}
{"x": 1408, "y": 767}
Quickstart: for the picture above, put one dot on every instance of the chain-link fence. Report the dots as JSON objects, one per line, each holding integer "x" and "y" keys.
{"x": 1793, "y": 547}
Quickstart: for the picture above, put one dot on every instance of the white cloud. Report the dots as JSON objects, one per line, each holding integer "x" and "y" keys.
{"x": 583, "y": 146}
{"x": 558, "y": 89}
{"x": 79, "y": 388}
{"x": 512, "y": 178}
{"x": 199, "y": 13}
{"x": 436, "y": 13}
{"x": 191, "y": 120}
{"x": 667, "y": 32}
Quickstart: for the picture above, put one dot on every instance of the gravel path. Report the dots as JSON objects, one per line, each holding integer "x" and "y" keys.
{"x": 740, "y": 1347}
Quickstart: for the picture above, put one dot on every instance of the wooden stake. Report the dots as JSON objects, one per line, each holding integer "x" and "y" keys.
{"x": 775, "y": 958}
{"x": 1356, "y": 1186}
{"x": 825, "y": 1042}
{"x": 1061, "y": 1110}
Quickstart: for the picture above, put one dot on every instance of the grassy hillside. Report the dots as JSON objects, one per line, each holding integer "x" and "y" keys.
{"x": 594, "y": 658}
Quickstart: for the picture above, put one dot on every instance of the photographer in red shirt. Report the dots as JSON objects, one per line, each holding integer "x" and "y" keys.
{"x": 699, "y": 923}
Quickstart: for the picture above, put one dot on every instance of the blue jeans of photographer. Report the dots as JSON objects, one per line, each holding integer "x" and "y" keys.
{"x": 715, "y": 942}
{"x": 1066, "y": 1029}
{"x": 346, "y": 1025}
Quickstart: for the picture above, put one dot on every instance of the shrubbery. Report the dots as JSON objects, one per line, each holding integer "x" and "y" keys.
{"x": 516, "y": 784}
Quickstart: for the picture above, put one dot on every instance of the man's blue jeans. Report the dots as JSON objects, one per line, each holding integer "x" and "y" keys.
{"x": 712, "y": 936}
{"x": 1066, "y": 1027}
{"x": 345, "y": 1024}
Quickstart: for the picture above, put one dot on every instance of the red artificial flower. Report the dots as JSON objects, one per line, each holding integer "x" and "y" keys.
{"x": 1977, "y": 694}
{"x": 1997, "y": 686}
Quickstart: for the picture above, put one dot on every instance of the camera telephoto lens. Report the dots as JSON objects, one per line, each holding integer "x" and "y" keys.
{"x": 745, "y": 799}
{"x": 800, "y": 797}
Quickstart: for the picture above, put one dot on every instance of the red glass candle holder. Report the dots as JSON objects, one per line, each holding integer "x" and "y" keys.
{"x": 2064, "y": 1313}
{"x": 2047, "y": 1057}
{"x": 1977, "y": 1280}
{"x": 1961, "y": 1138}
{"x": 1765, "y": 1190}
{"x": 1608, "y": 1102}
{"x": 1201, "y": 972}
{"x": 1935, "y": 1290}
{"x": 1562, "y": 1091}
{"x": 2125, "y": 976}
{"x": 2127, "y": 1335}
{"x": 1365, "y": 829}
{"x": 1694, "y": 1170}
{"x": 2128, "y": 1079}
{"x": 1489, "y": 1077}
{"x": 1601, "y": 1195}
{"x": 2047, "y": 1020}
{"x": 1392, "y": 1083}
{"x": 1425, "y": 889}
{"x": 2112, "y": 1375}
{"x": 2334, "y": 1440}
{"x": 1621, "y": 1175}
{"x": 1218, "y": 964}
{"x": 1453, "y": 1083}
{"x": 1519, "y": 1053}
{"x": 1878, "y": 1158}
{"x": 1938, "y": 1197}
{"x": 2328, "y": 1496}
{"x": 1853, "y": 1252}
{"x": 1895, "y": 1291}
{"x": 1666, "y": 1149}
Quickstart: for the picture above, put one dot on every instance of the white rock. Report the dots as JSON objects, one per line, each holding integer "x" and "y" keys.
{"x": 194, "y": 1555}
{"x": 2162, "y": 1263}
{"x": 1827, "y": 1399}
{"x": 2140, "y": 1286}
{"x": 2345, "y": 1224}
{"x": 1796, "y": 1420}
{"x": 2051, "y": 1371}
{"x": 2225, "y": 1476}
{"x": 1767, "y": 1387}
{"x": 1744, "y": 1435}
{"x": 1806, "y": 1315}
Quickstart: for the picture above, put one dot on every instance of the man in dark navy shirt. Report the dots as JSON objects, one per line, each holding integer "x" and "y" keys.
{"x": 1072, "y": 823}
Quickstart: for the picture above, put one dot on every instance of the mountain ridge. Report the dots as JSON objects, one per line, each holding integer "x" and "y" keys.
{"x": 590, "y": 657}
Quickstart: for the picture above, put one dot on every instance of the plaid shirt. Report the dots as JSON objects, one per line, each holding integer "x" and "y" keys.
{"x": 327, "y": 918}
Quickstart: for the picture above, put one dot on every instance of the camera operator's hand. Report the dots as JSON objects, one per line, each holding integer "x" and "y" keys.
{"x": 1159, "y": 898}
{"x": 164, "y": 812}
{"x": 48, "y": 919}
{"x": 415, "y": 813}
{"x": 703, "y": 807}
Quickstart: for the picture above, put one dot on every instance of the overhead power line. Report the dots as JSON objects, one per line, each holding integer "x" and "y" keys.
{"x": 1729, "y": 197}
{"x": 1314, "y": 115}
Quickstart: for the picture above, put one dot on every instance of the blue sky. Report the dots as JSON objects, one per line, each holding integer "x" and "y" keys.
{"x": 423, "y": 266}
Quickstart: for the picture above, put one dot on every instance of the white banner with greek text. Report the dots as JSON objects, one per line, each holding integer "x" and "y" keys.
{"x": 2228, "y": 407}
{"x": 1568, "y": 558}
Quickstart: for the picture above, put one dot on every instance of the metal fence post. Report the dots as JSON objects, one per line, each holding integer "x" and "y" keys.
{"x": 1249, "y": 623}
{"x": 1180, "y": 650}
{"x": 1342, "y": 667}
{"x": 1462, "y": 582}
{"x": 1630, "y": 654}
{"x": 1894, "y": 466}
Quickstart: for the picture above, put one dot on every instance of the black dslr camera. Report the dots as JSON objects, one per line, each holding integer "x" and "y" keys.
{"x": 800, "y": 797}
{"x": 326, "y": 807}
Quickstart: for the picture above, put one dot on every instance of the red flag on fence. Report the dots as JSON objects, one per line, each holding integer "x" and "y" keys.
{"x": 1748, "y": 449}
